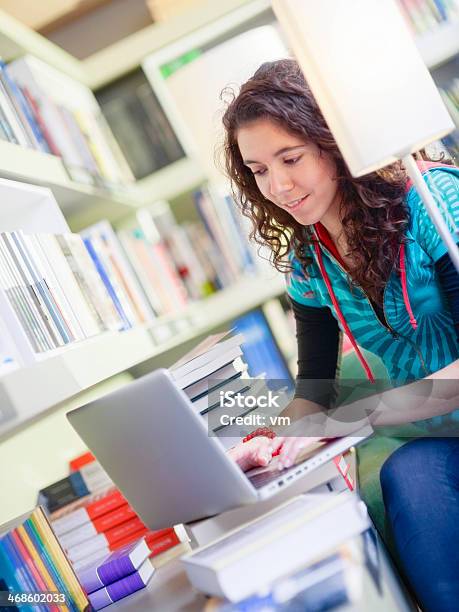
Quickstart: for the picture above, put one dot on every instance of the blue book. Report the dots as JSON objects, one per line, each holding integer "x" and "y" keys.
{"x": 12, "y": 572}
{"x": 21, "y": 101}
{"x": 10, "y": 576}
{"x": 104, "y": 276}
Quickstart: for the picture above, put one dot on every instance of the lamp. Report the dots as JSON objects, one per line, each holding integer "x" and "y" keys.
{"x": 371, "y": 84}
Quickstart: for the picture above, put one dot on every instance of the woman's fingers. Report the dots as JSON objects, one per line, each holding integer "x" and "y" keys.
{"x": 292, "y": 447}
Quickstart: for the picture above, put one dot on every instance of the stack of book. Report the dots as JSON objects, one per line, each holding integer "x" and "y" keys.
{"x": 117, "y": 575}
{"x": 34, "y": 568}
{"x": 425, "y": 15}
{"x": 92, "y": 518}
{"x": 284, "y": 542}
{"x": 45, "y": 109}
{"x": 212, "y": 375}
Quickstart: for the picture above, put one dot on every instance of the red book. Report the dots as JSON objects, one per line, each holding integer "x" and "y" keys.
{"x": 81, "y": 460}
{"x": 122, "y": 531}
{"x": 99, "y": 525}
{"x": 95, "y": 507}
{"x": 159, "y": 545}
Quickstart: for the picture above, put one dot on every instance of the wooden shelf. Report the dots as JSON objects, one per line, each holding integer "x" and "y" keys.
{"x": 440, "y": 45}
{"x": 27, "y": 392}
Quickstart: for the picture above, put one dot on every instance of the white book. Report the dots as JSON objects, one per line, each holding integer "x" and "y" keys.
{"x": 47, "y": 306}
{"x": 64, "y": 274}
{"x": 87, "y": 270}
{"x": 53, "y": 283}
{"x": 209, "y": 402}
{"x": 128, "y": 243}
{"x": 248, "y": 559}
{"x": 217, "y": 380}
{"x": 207, "y": 369}
{"x": 115, "y": 253}
{"x": 26, "y": 306}
{"x": 15, "y": 315}
{"x": 205, "y": 352}
{"x": 113, "y": 279}
{"x": 25, "y": 281}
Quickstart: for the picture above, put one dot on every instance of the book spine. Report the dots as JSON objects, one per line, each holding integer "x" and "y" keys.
{"x": 98, "y": 576}
{"x": 120, "y": 589}
{"x": 99, "y": 525}
{"x": 83, "y": 502}
{"x": 32, "y": 557}
{"x": 21, "y": 301}
{"x": 24, "y": 574}
{"x": 108, "y": 284}
{"x": 54, "y": 573}
{"x": 31, "y": 290}
{"x": 12, "y": 575}
{"x": 77, "y": 595}
{"x": 39, "y": 282}
{"x": 160, "y": 544}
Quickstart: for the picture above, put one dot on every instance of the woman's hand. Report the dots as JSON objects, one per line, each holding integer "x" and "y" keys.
{"x": 257, "y": 452}
{"x": 293, "y": 447}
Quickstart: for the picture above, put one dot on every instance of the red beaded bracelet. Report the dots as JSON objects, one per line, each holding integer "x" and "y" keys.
{"x": 263, "y": 431}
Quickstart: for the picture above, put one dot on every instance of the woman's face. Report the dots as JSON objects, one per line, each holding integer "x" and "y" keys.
{"x": 290, "y": 172}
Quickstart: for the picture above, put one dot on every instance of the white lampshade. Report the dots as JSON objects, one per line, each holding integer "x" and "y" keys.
{"x": 367, "y": 76}
{"x": 196, "y": 87}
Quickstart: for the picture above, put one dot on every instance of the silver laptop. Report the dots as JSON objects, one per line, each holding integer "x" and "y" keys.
{"x": 158, "y": 452}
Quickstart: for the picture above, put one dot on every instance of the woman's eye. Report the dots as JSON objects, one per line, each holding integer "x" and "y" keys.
{"x": 258, "y": 172}
{"x": 292, "y": 160}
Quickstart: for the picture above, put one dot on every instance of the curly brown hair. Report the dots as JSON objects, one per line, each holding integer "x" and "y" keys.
{"x": 372, "y": 207}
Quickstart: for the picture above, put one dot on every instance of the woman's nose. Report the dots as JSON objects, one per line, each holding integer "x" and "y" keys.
{"x": 280, "y": 183}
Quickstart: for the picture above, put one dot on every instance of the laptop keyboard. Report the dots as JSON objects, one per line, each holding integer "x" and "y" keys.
{"x": 260, "y": 477}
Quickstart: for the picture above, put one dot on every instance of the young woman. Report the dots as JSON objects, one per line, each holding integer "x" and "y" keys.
{"x": 361, "y": 257}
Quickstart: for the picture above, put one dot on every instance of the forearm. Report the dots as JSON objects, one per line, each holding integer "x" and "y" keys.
{"x": 435, "y": 395}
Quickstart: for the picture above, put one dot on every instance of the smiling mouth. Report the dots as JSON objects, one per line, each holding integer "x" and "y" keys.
{"x": 295, "y": 203}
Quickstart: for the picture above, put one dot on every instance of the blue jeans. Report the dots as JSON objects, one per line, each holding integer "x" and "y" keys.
{"x": 420, "y": 483}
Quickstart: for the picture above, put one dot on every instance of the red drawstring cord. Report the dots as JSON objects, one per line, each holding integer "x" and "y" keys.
{"x": 341, "y": 318}
{"x": 406, "y": 299}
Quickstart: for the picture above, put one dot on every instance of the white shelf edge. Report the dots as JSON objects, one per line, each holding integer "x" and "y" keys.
{"x": 87, "y": 363}
{"x": 75, "y": 200}
{"x": 170, "y": 182}
{"x": 16, "y": 40}
{"x": 439, "y": 45}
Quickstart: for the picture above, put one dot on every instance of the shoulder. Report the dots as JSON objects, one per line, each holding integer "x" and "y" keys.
{"x": 298, "y": 283}
{"x": 443, "y": 182}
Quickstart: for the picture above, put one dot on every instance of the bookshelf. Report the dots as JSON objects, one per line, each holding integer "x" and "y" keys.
{"x": 78, "y": 368}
